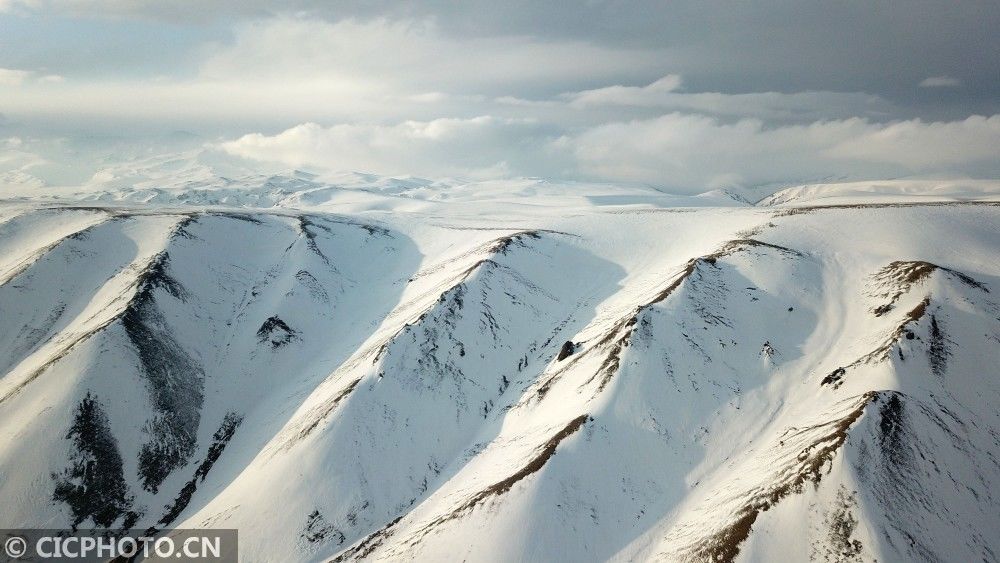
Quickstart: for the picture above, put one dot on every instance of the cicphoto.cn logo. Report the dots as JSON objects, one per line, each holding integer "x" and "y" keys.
{"x": 178, "y": 545}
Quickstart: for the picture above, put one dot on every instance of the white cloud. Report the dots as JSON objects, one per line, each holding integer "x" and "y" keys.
{"x": 521, "y": 102}
{"x": 13, "y": 77}
{"x": 939, "y": 82}
{"x": 12, "y": 5}
{"x": 412, "y": 55}
{"x": 684, "y": 151}
{"x": 917, "y": 145}
{"x": 403, "y": 97}
{"x": 285, "y": 70}
{"x": 694, "y": 152}
{"x": 651, "y": 95}
{"x": 479, "y": 146}
{"x": 663, "y": 95}
{"x": 429, "y": 97}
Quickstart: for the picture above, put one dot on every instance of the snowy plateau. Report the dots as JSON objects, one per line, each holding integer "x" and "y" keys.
{"x": 393, "y": 369}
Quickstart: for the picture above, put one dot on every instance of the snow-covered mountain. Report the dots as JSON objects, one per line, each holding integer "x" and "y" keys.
{"x": 366, "y": 368}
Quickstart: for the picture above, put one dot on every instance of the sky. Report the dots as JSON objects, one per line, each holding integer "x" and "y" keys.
{"x": 682, "y": 95}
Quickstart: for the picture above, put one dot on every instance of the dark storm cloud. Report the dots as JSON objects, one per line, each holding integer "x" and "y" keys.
{"x": 879, "y": 47}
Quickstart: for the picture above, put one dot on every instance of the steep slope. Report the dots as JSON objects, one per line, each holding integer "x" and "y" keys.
{"x": 225, "y": 314}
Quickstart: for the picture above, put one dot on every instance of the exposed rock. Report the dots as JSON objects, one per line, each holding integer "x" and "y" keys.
{"x": 276, "y": 332}
{"x": 566, "y": 351}
{"x": 94, "y": 484}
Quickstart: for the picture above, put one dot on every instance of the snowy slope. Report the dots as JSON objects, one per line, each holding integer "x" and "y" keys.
{"x": 885, "y": 191}
{"x": 365, "y": 368}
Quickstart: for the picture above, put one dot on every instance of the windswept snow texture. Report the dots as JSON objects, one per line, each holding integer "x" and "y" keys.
{"x": 385, "y": 369}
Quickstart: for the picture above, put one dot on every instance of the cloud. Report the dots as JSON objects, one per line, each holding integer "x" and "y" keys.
{"x": 663, "y": 95}
{"x": 521, "y": 102}
{"x": 475, "y": 147}
{"x": 686, "y": 152}
{"x": 16, "y": 5}
{"x": 198, "y": 103}
{"x": 916, "y": 145}
{"x": 14, "y": 77}
{"x": 750, "y": 46}
{"x": 410, "y": 89}
{"x": 651, "y": 95}
{"x": 274, "y": 72}
{"x": 168, "y": 10}
{"x": 279, "y": 71}
{"x": 940, "y": 82}
{"x": 414, "y": 55}
{"x": 678, "y": 151}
